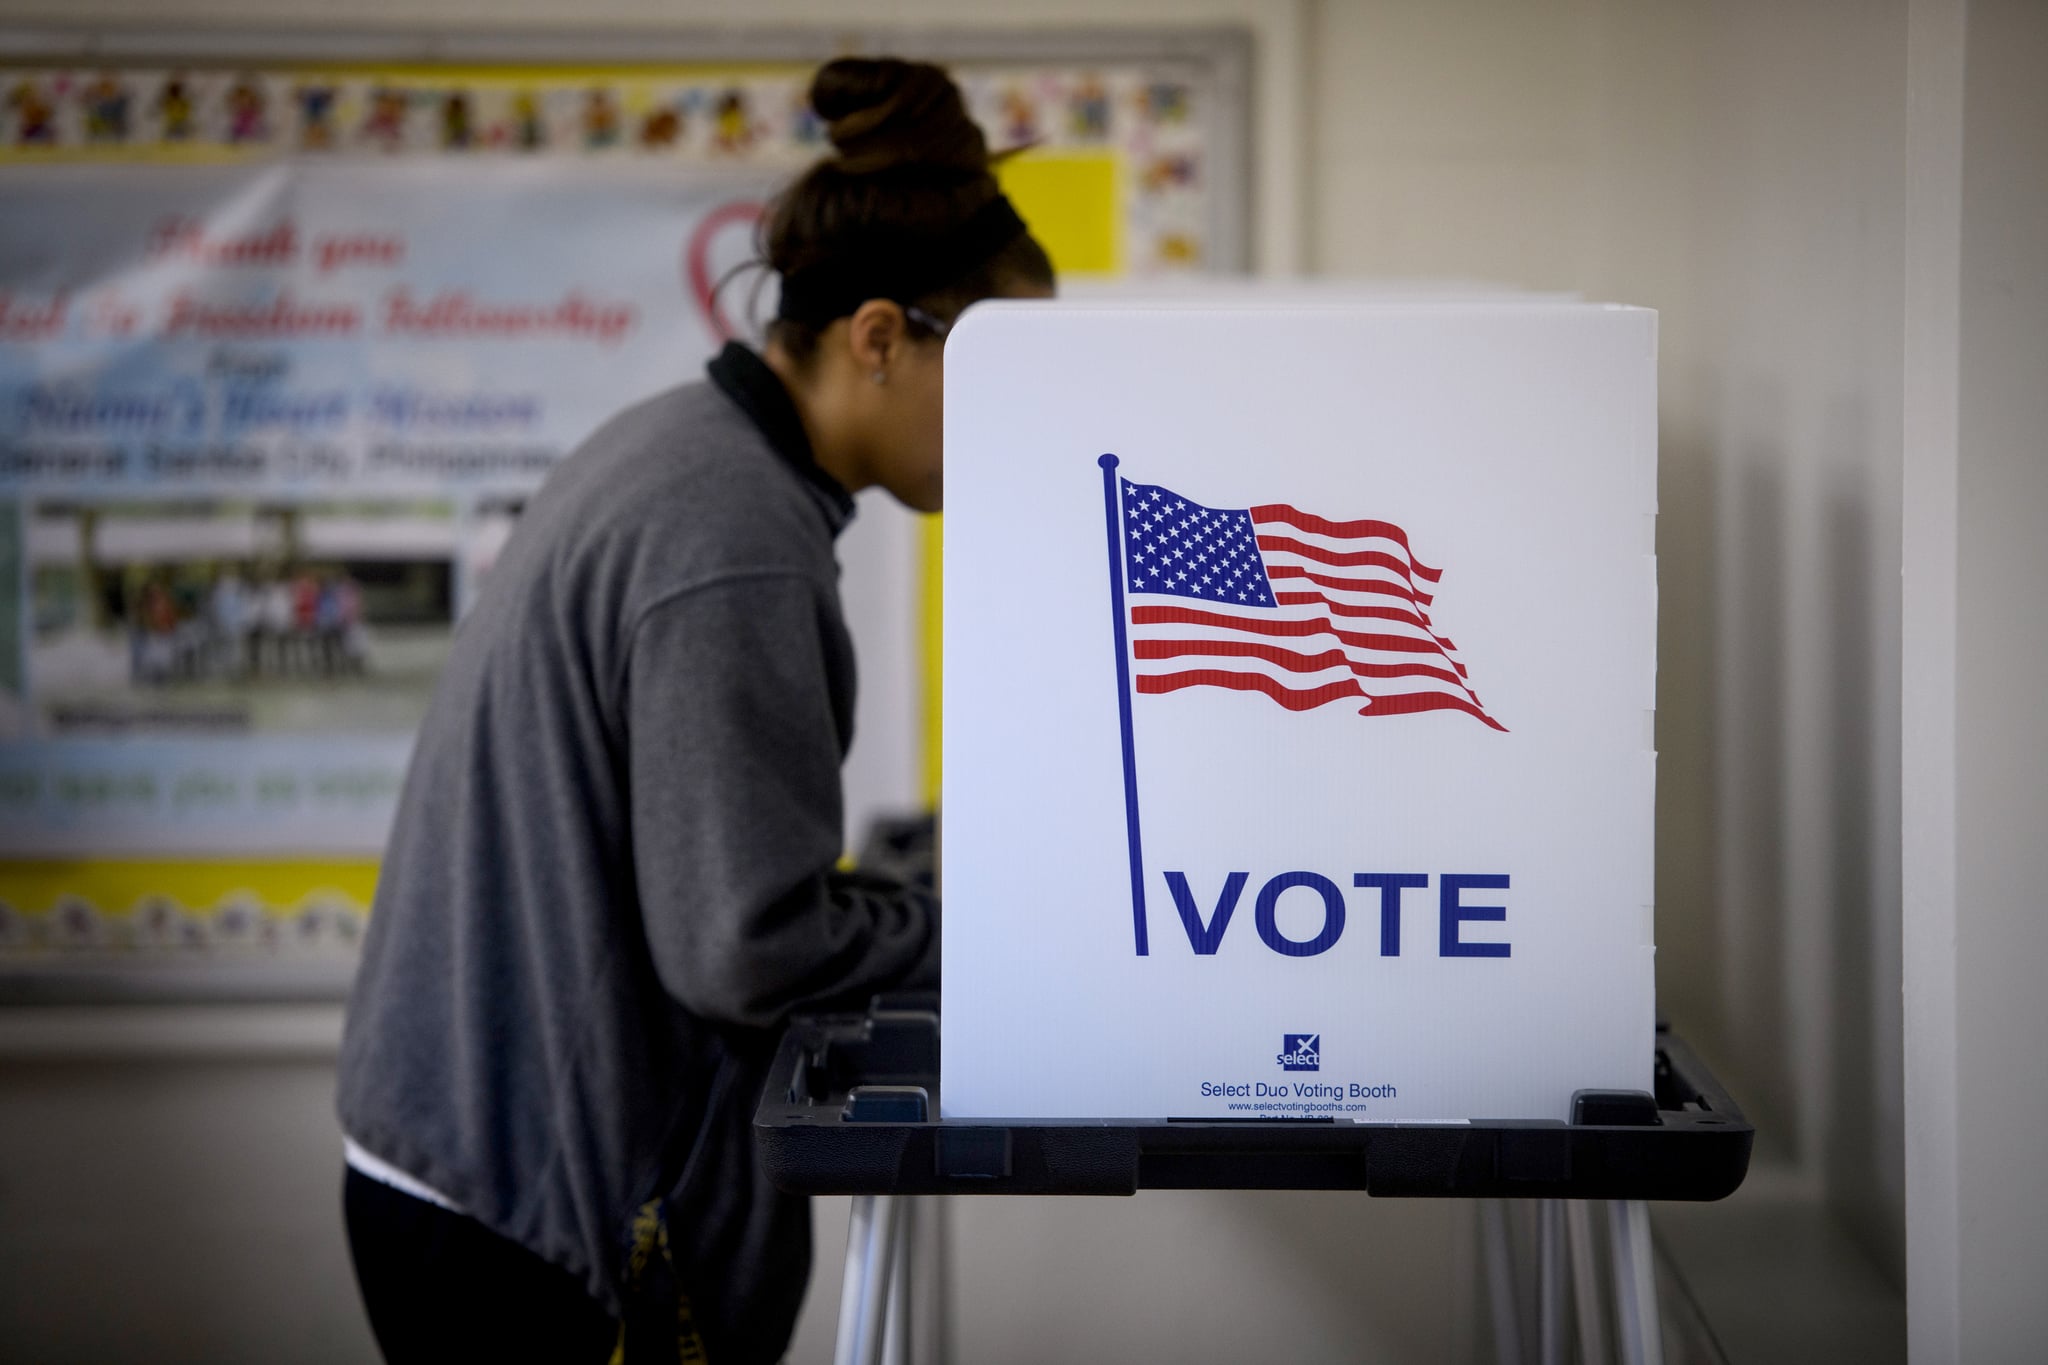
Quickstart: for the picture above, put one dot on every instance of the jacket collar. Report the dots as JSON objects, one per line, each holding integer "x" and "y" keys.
{"x": 756, "y": 390}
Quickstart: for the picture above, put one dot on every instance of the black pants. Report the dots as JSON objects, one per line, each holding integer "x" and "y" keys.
{"x": 442, "y": 1287}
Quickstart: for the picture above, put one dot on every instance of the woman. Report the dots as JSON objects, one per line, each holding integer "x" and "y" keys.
{"x": 612, "y": 874}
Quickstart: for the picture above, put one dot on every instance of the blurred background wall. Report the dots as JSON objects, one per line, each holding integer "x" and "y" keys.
{"x": 168, "y": 1174}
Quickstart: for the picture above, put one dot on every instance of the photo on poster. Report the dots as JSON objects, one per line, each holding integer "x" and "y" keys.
{"x": 237, "y": 617}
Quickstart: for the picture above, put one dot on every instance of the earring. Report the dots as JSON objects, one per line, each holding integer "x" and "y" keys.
{"x": 880, "y": 376}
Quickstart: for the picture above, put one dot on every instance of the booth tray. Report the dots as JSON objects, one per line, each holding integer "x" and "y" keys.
{"x": 851, "y": 1107}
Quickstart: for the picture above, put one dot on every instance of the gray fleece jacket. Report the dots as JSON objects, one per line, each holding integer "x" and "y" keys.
{"x": 611, "y": 877}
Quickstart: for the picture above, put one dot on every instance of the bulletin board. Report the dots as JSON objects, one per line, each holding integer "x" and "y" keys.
{"x": 291, "y": 328}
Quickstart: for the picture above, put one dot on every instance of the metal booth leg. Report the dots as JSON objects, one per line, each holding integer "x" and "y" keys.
{"x": 919, "y": 1296}
{"x": 1587, "y": 1314}
{"x": 896, "y": 1330}
{"x": 932, "y": 1264}
{"x": 1635, "y": 1283}
{"x": 872, "y": 1251}
{"x": 1550, "y": 1280}
{"x": 1499, "y": 1252}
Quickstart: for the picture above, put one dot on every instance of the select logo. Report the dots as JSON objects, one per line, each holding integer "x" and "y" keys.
{"x": 1301, "y": 1052}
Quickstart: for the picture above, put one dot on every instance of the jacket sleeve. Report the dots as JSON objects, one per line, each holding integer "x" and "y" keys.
{"x": 733, "y": 756}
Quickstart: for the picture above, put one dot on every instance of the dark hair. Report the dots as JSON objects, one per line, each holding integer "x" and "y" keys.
{"x": 910, "y": 176}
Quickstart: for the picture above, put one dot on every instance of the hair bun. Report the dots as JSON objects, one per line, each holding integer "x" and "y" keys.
{"x": 882, "y": 112}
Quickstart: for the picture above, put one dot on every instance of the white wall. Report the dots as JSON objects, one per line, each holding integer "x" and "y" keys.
{"x": 1796, "y": 442}
{"x": 881, "y": 568}
{"x": 170, "y": 1187}
{"x": 1975, "y": 561}
{"x": 2001, "y": 812}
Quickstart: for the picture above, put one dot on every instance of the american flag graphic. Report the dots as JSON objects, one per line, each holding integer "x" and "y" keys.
{"x": 1272, "y": 599}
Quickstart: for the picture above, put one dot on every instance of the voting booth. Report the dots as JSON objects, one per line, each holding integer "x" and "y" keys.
{"x": 1299, "y": 675}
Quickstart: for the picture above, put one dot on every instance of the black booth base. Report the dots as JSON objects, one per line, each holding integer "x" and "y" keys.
{"x": 851, "y": 1105}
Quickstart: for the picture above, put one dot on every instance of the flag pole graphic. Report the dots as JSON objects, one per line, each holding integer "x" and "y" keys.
{"x": 1112, "y": 511}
